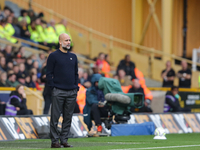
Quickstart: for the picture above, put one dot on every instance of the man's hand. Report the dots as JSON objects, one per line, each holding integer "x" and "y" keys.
{"x": 17, "y": 108}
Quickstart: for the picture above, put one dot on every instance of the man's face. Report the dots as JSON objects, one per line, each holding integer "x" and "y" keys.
{"x": 65, "y": 42}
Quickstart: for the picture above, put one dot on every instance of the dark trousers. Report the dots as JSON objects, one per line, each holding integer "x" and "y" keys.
{"x": 47, "y": 99}
{"x": 62, "y": 102}
{"x": 98, "y": 112}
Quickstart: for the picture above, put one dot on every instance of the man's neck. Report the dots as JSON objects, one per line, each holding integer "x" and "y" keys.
{"x": 62, "y": 50}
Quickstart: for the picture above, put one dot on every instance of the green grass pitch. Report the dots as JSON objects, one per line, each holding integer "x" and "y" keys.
{"x": 174, "y": 141}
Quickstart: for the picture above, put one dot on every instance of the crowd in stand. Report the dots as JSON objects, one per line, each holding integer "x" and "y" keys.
{"x": 31, "y": 27}
{"x": 16, "y": 69}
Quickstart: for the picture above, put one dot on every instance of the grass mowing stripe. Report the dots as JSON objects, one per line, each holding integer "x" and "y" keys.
{"x": 19, "y": 148}
{"x": 159, "y": 147}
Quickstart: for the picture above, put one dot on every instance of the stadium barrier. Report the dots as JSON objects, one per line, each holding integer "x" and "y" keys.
{"x": 189, "y": 98}
{"x": 24, "y": 127}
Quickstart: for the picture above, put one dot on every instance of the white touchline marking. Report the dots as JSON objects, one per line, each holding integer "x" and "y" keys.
{"x": 127, "y": 143}
{"x": 158, "y": 147}
{"x": 19, "y": 148}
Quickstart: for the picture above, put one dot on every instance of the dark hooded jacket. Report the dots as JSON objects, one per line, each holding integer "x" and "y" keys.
{"x": 92, "y": 97}
{"x": 15, "y": 102}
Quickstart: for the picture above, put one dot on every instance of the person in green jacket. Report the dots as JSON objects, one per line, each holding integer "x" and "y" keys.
{"x": 40, "y": 30}
{"x": 9, "y": 30}
{"x": 24, "y": 14}
{"x": 34, "y": 34}
{"x": 62, "y": 28}
{"x": 52, "y": 39}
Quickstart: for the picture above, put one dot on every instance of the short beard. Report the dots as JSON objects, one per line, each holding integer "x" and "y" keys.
{"x": 65, "y": 48}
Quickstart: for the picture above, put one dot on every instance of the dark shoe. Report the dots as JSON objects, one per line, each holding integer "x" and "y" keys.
{"x": 55, "y": 145}
{"x": 66, "y": 145}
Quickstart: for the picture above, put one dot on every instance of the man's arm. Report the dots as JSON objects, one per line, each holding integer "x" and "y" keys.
{"x": 76, "y": 73}
{"x": 50, "y": 70}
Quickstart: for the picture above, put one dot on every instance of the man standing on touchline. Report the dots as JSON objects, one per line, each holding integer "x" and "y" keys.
{"x": 62, "y": 77}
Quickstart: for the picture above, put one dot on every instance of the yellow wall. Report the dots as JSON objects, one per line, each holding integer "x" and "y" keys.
{"x": 112, "y": 17}
{"x": 193, "y": 32}
{"x": 152, "y": 37}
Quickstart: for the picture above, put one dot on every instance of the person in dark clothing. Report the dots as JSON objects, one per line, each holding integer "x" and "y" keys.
{"x": 62, "y": 78}
{"x": 184, "y": 76}
{"x": 17, "y": 103}
{"x": 46, "y": 92}
{"x": 24, "y": 32}
{"x": 136, "y": 88}
{"x": 3, "y": 78}
{"x": 168, "y": 75}
{"x": 94, "y": 107}
{"x": 128, "y": 66}
{"x": 172, "y": 101}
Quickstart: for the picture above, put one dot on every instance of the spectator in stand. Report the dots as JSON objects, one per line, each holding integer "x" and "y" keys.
{"x": 16, "y": 26}
{"x": 123, "y": 79}
{"x": 83, "y": 78}
{"x": 28, "y": 64}
{"x": 3, "y": 33}
{"x": 3, "y": 66}
{"x": 41, "y": 60}
{"x": 128, "y": 66}
{"x": 3, "y": 78}
{"x": 106, "y": 66}
{"x": 40, "y": 30}
{"x": 184, "y": 76}
{"x": 168, "y": 75}
{"x": 50, "y": 31}
{"x": 24, "y": 15}
{"x": 33, "y": 71}
{"x": 35, "y": 37}
{"x": 172, "y": 101}
{"x": 10, "y": 31}
{"x": 9, "y": 66}
{"x": 34, "y": 83}
{"x": 24, "y": 32}
{"x": 36, "y": 66}
{"x": 8, "y": 53}
{"x": 21, "y": 52}
{"x": 28, "y": 81}
{"x": 136, "y": 88}
{"x": 62, "y": 28}
{"x": 21, "y": 74}
{"x": 31, "y": 14}
{"x": 17, "y": 103}
{"x": 6, "y": 12}
{"x": 16, "y": 69}
{"x": 12, "y": 79}
{"x": 100, "y": 59}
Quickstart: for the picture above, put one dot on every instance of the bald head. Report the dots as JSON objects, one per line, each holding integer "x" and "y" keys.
{"x": 64, "y": 41}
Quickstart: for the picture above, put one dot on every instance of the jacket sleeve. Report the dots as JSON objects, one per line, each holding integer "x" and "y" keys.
{"x": 91, "y": 98}
{"x": 172, "y": 104}
{"x": 50, "y": 70}
{"x": 76, "y": 73}
{"x": 15, "y": 102}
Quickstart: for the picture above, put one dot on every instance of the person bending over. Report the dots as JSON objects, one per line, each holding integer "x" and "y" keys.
{"x": 94, "y": 107}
